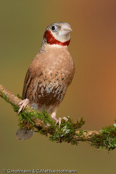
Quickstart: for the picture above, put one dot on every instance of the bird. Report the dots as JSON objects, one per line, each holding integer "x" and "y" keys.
{"x": 49, "y": 74}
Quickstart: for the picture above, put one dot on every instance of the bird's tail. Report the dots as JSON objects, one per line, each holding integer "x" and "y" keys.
{"x": 23, "y": 134}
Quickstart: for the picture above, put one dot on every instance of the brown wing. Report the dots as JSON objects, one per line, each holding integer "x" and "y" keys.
{"x": 27, "y": 81}
{"x": 32, "y": 79}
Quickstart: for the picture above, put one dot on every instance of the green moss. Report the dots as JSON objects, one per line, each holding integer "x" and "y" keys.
{"x": 25, "y": 116}
{"x": 67, "y": 131}
{"x": 106, "y": 138}
{"x": 4, "y": 96}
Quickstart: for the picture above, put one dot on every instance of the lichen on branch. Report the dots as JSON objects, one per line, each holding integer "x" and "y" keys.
{"x": 69, "y": 131}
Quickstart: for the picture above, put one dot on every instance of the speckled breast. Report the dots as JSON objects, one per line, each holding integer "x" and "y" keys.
{"x": 50, "y": 73}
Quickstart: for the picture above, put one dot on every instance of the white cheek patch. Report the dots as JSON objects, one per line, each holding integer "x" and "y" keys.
{"x": 61, "y": 36}
{"x": 64, "y": 32}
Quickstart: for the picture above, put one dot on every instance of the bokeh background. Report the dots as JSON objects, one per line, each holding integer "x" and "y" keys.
{"x": 92, "y": 94}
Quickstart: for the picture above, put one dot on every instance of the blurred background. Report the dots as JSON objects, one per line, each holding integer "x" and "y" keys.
{"x": 92, "y": 94}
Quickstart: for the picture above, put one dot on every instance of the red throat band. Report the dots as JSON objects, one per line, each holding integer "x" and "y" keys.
{"x": 51, "y": 40}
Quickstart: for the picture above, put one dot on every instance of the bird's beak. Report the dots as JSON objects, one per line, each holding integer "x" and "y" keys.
{"x": 65, "y": 29}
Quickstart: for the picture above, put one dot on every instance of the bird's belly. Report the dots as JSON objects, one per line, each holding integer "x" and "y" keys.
{"x": 48, "y": 96}
{"x": 48, "y": 88}
{"x": 48, "y": 109}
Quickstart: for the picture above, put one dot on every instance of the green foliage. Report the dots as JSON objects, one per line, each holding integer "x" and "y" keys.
{"x": 27, "y": 117}
{"x": 106, "y": 138}
{"x": 67, "y": 131}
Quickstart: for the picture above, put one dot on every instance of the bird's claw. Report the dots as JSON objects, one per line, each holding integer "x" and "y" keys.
{"x": 58, "y": 121}
{"x": 23, "y": 104}
{"x": 66, "y": 119}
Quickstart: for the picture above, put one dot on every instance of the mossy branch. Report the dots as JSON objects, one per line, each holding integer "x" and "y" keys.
{"x": 69, "y": 131}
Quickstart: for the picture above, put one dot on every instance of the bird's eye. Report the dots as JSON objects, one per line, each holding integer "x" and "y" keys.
{"x": 54, "y": 28}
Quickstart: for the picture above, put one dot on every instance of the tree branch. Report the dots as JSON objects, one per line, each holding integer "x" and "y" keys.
{"x": 68, "y": 132}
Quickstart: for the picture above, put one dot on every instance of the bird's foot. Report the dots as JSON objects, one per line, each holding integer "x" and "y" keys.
{"x": 58, "y": 121}
{"x": 66, "y": 119}
{"x": 23, "y": 104}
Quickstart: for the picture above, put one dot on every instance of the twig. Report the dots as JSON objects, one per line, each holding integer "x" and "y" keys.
{"x": 14, "y": 100}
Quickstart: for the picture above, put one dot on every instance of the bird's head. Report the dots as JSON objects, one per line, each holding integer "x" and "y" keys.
{"x": 58, "y": 34}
